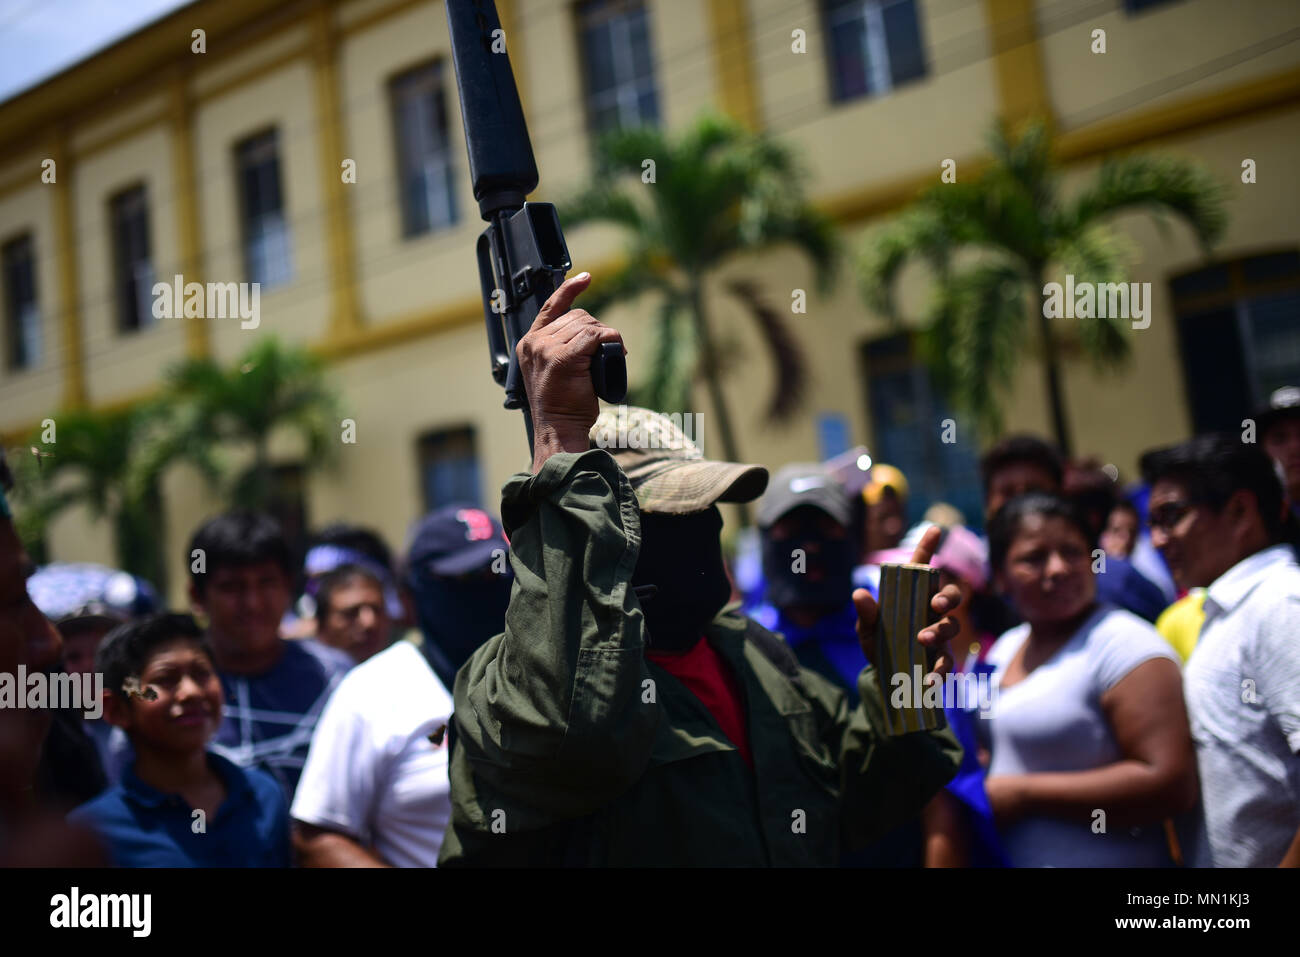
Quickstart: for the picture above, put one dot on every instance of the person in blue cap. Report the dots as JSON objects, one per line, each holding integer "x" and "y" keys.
{"x": 375, "y": 790}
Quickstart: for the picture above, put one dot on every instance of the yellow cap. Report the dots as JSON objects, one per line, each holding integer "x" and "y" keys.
{"x": 883, "y": 477}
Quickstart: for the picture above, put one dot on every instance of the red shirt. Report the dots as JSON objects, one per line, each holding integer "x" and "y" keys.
{"x": 708, "y": 677}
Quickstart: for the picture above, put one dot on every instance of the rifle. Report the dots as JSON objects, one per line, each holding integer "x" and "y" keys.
{"x": 522, "y": 256}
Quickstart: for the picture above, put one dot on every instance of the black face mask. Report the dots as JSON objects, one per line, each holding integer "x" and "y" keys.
{"x": 681, "y": 556}
{"x": 458, "y": 616}
{"x": 823, "y": 576}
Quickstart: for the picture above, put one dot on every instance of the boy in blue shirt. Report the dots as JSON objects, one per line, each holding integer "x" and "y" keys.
{"x": 178, "y": 804}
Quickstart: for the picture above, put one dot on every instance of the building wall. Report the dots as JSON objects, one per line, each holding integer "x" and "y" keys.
{"x": 120, "y": 362}
{"x": 28, "y": 395}
{"x": 1160, "y": 55}
{"x": 417, "y": 362}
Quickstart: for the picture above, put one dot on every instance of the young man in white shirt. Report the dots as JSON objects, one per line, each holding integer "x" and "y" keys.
{"x": 1220, "y": 516}
{"x": 375, "y": 790}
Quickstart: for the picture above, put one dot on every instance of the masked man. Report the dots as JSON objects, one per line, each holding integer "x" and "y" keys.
{"x": 625, "y": 717}
{"x": 804, "y": 521}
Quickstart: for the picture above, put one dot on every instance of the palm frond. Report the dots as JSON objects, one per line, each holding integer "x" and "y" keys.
{"x": 1025, "y": 159}
{"x": 635, "y": 277}
{"x": 622, "y": 151}
{"x": 919, "y": 232}
{"x": 1154, "y": 184}
{"x": 603, "y": 202}
{"x": 981, "y": 312}
{"x": 673, "y": 364}
{"x": 1098, "y": 255}
{"x": 806, "y": 229}
{"x": 791, "y": 366}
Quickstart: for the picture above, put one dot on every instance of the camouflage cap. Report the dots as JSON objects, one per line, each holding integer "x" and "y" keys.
{"x": 667, "y": 469}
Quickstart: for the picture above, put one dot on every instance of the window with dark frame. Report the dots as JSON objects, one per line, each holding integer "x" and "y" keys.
{"x": 906, "y": 410}
{"x": 449, "y": 467}
{"x": 1238, "y": 336}
{"x": 873, "y": 46}
{"x": 267, "y": 255}
{"x": 618, "y": 65}
{"x": 133, "y": 275}
{"x": 424, "y": 154}
{"x": 21, "y": 314}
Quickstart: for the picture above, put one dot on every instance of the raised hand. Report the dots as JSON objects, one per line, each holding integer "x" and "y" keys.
{"x": 933, "y": 637}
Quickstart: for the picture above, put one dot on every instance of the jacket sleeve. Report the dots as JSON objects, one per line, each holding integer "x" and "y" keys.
{"x": 885, "y": 780}
{"x": 550, "y": 713}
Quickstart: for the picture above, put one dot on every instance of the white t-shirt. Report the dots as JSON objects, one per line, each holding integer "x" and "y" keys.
{"x": 1052, "y": 721}
{"x": 372, "y": 772}
{"x": 1242, "y": 685}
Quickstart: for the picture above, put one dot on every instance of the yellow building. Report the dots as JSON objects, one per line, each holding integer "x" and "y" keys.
{"x": 216, "y": 144}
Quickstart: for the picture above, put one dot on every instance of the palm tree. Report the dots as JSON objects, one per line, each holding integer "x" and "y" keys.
{"x": 271, "y": 387}
{"x": 1012, "y": 228}
{"x": 717, "y": 190}
{"x": 112, "y": 462}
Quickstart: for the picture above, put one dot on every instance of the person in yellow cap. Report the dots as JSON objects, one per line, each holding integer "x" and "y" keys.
{"x": 886, "y": 499}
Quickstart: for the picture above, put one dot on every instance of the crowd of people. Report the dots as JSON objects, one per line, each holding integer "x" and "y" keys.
{"x": 591, "y": 680}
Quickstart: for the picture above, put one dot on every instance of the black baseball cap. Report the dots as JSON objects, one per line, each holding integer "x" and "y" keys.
{"x": 804, "y": 484}
{"x": 1283, "y": 404}
{"x": 455, "y": 540}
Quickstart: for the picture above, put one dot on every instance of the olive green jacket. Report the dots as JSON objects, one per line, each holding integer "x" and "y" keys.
{"x": 572, "y": 748}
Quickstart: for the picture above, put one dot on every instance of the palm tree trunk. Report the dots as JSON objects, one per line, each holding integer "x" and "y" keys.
{"x": 140, "y": 536}
{"x": 713, "y": 380}
{"x": 262, "y": 484}
{"x": 1051, "y": 369}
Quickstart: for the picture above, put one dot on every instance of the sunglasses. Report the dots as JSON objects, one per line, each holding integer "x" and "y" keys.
{"x": 1169, "y": 514}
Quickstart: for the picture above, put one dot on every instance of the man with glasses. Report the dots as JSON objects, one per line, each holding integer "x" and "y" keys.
{"x": 1219, "y": 516}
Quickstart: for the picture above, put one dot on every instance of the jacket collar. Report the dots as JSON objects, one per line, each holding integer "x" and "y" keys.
{"x": 1232, "y": 587}
{"x": 767, "y": 696}
{"x": 146, "y": 795}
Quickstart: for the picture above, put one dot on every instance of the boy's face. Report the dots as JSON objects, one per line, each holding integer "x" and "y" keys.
{"x": 187, "y": 709}
{"x": 245, "y": 603}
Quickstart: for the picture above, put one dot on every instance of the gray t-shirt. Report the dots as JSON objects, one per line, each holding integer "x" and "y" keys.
{"x": 1052, "y": 721}
{"x": 1242, "y": 685}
